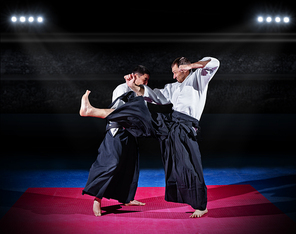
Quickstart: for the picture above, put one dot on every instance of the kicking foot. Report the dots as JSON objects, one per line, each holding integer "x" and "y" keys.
{"x": 135, "y": 203}
{"x": 97, "y": 207}
{"x": 86, "y": 107}
{"x": 199, "y": 213}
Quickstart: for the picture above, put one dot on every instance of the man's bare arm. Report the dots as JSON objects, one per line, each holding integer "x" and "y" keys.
{"x": 130, "y": 81}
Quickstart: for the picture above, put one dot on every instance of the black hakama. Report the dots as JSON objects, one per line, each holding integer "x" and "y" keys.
{"x": 115, "y": 172}
{"x": 181, "y": 157}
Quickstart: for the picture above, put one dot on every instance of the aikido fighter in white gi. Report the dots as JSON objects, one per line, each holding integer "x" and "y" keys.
{"x": 179, "y": 146}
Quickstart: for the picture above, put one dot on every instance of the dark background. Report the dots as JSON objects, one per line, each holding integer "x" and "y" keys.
{"x": 250, "y": 109}
{"x": 148, "y": 16}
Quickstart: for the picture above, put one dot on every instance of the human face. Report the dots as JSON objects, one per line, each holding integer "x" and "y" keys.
{"x": 142, "y": 79}
{"x": 179, "y": 76}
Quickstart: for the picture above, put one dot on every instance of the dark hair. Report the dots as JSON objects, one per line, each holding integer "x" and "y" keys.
{"x": 181, "y": 61}
{"x": 140, "y": 69}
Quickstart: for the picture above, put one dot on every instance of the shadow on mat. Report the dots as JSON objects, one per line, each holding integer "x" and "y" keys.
{"x": 264, "y": 209}
{"x": 116, "y": 209}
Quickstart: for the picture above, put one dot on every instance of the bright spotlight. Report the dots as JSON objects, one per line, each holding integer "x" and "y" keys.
{"x": 286, "y": 19}
{"x": 27, "y": 20}
{"x": 23, "y": 19}
{"x": 40, "y": 19}
{"x": 260, "y": 19}
{"x": 277, "y": 19}
{"x": 31, "y": 19}
{"x": 268, "y": 19}
{"x": 13, "y": 19}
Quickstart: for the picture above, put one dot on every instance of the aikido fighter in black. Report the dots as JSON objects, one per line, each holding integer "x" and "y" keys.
{"x": 115, "y": 172}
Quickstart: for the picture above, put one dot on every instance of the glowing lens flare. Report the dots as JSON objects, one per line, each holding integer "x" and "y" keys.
{"x": 286, "y": 19}
{"x": 23, "y": 19}
{"x": 268, "y": 19}
{"x": 277, "y": 19}
{"x": 260, "y": 19}
{"x": 40, "y": 19}
{"x": 13, "y": 19}
{"x": 31, "y": 19}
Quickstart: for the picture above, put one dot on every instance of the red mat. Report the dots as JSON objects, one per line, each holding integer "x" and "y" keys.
{"x": 232, "y": 209}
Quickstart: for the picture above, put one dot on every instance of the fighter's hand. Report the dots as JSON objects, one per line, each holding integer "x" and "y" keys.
{"x": 130, "y": 80}
{"x": 183, "y": 68}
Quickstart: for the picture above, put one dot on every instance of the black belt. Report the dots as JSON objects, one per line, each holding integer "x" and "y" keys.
{"x": 112, "y": 125}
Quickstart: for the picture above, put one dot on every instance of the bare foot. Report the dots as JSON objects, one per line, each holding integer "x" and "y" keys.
{"x": 97, "y": 207}
{"x": 86, "y": 107}
{"x": 199, "y": 213}
{"x": 135, "y": 203}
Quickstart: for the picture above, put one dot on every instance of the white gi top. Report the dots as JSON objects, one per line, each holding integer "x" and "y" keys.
{"x": 118, "y": 91}
{"x": 188, "y": 97}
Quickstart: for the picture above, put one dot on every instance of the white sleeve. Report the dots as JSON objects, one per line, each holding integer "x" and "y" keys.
{"x": 158, "y": 96}
{"x": 205, "y": 74}
{"x": 120, "y": 89}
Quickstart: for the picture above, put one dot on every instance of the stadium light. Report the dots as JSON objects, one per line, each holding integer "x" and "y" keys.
{"x": 277, "y": 19}
{"x": 26, "y": 19}
{"x": 31, "y": 19}
{"x": 23, "y": 19}
{"x": 40, "y": 19}
{"x": 260, "y": 19}
{"x": 268, "y": 19}
{"x": 13, "y": 19}
{"x": 286, "y": 19}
